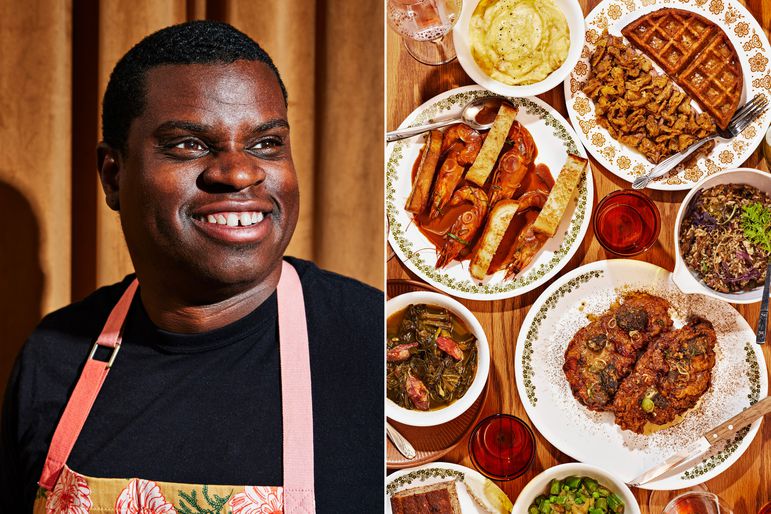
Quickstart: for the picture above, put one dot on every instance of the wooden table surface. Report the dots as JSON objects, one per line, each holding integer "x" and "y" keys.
{"x": 746, "y": 484}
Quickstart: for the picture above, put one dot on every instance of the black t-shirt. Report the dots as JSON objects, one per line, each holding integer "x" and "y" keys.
{"x": 205, "y": 408}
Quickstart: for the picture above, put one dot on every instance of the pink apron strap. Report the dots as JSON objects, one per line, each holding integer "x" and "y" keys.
{"x": 296, "y": 401}
{"x": 83, "y": 396}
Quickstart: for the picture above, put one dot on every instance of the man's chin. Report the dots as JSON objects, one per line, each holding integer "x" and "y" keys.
{"x": 237, "y": 271}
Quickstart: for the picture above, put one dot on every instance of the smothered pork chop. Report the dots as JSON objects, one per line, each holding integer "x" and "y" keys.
{"x": 668, "y": 379}
{"x": 604, "y": 352}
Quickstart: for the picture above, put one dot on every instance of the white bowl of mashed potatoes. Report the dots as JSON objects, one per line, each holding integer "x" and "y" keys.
{"x": 519, "y": 48}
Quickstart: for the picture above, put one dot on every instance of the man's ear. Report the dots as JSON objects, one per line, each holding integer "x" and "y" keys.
{"x": 108, "y": 162}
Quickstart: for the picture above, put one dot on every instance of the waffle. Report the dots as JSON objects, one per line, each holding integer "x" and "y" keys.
{"x": 696, "y": 54}
{"x": 714, "y": 79}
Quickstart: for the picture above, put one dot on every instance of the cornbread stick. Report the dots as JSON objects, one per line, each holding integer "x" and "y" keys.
{"x": 483, "y": 165}
{"x": 549, "y": 219}
{"x": 499, "y": 221}
{"x": 421, "y": 187}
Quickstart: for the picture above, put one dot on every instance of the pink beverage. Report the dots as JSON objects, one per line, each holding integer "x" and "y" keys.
{"x": 421, "y": 20}
{"x": 697, "y": 503}
{"x": 502, "y": 447}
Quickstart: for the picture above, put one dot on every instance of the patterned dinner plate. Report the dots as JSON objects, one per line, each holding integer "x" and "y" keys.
{"x": 754, "y": 52}
{"x": 739, "y": 378}
{"x": 435, "y": 473}
{"x": 554, "y": 138}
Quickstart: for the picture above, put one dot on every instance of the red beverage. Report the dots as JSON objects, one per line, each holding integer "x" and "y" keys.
{"x": 502, "y": 447}
{"x": 627, "y": 222}
{"x": 765, "y": 509}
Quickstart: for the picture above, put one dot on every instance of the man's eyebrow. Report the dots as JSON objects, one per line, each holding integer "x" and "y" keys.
{"x": 271, "y": 124}
{"x": 182, "y": 125}
{"x": 197, "y": 128}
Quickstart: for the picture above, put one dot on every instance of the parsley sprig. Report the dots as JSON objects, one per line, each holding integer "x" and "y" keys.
{"x": 756, "y": 222}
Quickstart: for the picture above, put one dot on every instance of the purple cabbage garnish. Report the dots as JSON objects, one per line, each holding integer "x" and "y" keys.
{"x": 752, "y": 274}
{"x": 701, "y": 218}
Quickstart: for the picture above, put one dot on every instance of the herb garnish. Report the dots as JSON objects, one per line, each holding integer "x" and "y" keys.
{"x": 458, "y": 239}
{"x": 756, "y": 222}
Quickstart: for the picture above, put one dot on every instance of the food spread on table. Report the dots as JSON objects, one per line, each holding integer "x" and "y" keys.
{"x": 482, "y": 197}
{"x": 577, "y": 494}
{"x": 656, "y": 81}
{"x": 604, "y": 352}
{"x": 629, "y": 361}
{"x": 638, "y": 107}
{"x": 431, "y": 357}
{"x": 669, "y": 378}
{"x": 725, "y": 237}
{"x": 519, "y": 42}
{"x": 715, "y": 53}
{"x": 441, "y": 498}
{"x": 696, "y": 53}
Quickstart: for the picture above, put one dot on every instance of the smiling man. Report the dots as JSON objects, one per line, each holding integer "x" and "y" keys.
{"x": 223, "y": 377}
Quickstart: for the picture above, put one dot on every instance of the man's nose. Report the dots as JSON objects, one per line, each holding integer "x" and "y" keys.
{"x": 234, "y": 170}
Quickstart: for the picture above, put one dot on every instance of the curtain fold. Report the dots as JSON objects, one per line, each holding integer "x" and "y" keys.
{"x": 35, "y": 150}
{"x": 59, "y": 241}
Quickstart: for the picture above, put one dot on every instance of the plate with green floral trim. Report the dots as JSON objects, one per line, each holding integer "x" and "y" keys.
{"x": 437, "y": 472}
{"x": 554, "y": 138}
{"x": 739, "y": 378}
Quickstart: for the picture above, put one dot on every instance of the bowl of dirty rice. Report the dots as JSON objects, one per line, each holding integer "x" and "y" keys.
{"x": 723, "y": 236}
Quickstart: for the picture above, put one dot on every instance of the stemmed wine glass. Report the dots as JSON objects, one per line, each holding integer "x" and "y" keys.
{"x": 424, "y": 25}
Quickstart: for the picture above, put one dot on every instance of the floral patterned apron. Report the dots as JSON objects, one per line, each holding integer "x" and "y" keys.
{"x": 63, "y": 491}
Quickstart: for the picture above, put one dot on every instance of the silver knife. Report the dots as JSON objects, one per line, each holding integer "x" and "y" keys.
{"x": 704, "y": 443}
{"x": 760, "y": 336}
{"x": 401, "y": 443}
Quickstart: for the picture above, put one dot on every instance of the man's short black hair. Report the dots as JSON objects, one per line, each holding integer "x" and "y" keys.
{"x": 195, "y": 42}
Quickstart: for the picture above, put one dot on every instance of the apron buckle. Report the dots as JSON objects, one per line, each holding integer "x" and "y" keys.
{"x": 112, "y": 355}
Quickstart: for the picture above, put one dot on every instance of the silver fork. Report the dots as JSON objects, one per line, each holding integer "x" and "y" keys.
{"x": 748, "y": 113}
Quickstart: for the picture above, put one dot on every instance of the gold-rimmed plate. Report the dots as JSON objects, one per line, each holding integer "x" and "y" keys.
{"x": 754, "y": 52}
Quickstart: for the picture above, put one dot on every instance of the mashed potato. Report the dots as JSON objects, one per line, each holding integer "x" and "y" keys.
{"x": 519, "y": 42}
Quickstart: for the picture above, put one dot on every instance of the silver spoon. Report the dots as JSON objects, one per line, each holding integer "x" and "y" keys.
{"x": 401, "y": 443}
{"x": 468, "y": 116}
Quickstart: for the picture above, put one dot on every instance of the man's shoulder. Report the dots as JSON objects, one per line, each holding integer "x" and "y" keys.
{"x": 49, "y": 361}
{"x": 79, "y": 319}
{"x": 335, "y": 288}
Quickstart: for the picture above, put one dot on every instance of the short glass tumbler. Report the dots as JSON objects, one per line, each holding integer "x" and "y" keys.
{"x": 502, "y": 447}
{"x": 627, "y": 222}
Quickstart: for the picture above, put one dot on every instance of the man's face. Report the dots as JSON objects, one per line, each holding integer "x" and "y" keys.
{"x": 207, "y": 187}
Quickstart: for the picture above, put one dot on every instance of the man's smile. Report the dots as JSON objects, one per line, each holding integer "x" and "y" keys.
{"x": 235, "y": 222}
{"x": 232, "y": 219}
{"x": 243, "y": 227}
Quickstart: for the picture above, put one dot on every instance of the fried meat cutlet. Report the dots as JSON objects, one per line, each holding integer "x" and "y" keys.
{"x": 604, "y": 352}
{"x": 669, "y": 378}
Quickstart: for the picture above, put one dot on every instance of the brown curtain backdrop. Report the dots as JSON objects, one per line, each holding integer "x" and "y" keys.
{"x": 59, "y": 241}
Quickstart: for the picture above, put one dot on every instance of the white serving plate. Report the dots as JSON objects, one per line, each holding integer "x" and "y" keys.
{"x": 739, "y": 377}
{"x": 554, "y": 139}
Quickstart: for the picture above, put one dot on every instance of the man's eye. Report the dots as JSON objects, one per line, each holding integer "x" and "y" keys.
{"x": 191, "y": 144}
{"x": 267, "y": 144}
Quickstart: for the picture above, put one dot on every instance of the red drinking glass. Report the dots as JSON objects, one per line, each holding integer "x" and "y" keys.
{"x": 766, "y": 509}
{"x": 627, "y": 222}
{"x": 502, "y": 447}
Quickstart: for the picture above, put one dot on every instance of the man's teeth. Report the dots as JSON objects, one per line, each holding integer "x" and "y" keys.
{"x": 233, "y": 219}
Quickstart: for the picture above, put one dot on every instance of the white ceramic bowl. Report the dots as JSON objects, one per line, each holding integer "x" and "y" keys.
{"x": 437, "y": 417}
{"x": 684, "y": 278}
{"x": 575, "y": 18}
{"x": 540, "y": 484}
